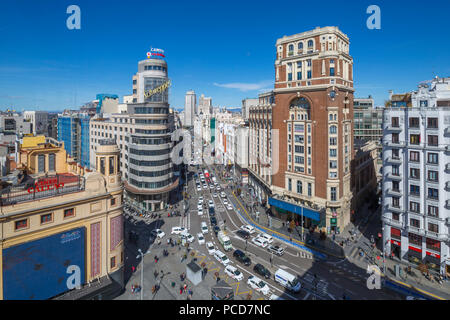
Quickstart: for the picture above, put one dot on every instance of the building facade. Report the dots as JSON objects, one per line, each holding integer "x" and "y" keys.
{"x": 246, "y": 105}
{"x": 39, "y": 121}
{"x": 313, "y": 115}
{"x": 416, "y": 175}
{"x": 190, "y": 109}
{"x": 62, "y": 226}
{"x": 260, "y": 146}
{"x": 143, "y": 135}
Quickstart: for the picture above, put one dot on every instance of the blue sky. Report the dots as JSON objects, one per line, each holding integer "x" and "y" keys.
{"x": 225, "y": 50}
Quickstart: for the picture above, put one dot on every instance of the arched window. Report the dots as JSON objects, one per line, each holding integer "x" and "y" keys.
{"x": 300, "y": 103}
{"x": 300, "y": 46}
{"x": 310, "y": 43}
{"x": 331, "y": 117}
{"x": 333, "y": 129}
{"x": 291, "y": 48}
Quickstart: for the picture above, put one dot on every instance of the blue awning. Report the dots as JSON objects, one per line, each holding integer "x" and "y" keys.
{"x": 315, "y": 215}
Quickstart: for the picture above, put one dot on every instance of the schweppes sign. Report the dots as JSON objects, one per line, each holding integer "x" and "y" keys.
{"x": 159, "y": 89}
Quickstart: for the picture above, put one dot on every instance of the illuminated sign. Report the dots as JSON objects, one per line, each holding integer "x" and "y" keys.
{"x": 154, "y": 52}
{"x": 159, "y": 89}
{"x": 45, "y": 185}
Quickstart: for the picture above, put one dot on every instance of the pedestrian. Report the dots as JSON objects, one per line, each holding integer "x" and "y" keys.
{"x": 133, "y": 269}
{"x": 290, "y": 239}
{"x": 185, "y": 287}
{"x": 156, "y": 274}
{"x": 181, "y": 289}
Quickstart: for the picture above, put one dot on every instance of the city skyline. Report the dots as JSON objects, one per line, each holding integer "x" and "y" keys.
{"x": 49, "y": 67}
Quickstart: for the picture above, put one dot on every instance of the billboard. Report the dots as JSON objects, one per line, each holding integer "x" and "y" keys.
{"x": 44, "y": 268}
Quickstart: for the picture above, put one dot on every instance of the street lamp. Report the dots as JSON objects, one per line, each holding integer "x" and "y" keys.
{"x": 142, "y": 255}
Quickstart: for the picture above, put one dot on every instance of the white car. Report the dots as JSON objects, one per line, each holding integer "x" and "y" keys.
{"x": 258, "y": 285}
{"x": 223, "y": 195}
{"x": 210, "y": 247}
{"x": 158, "y": 233}
{"x": 211, "y": 203}
{"x": 178, "y": 230}
{"x": 205, "y": 186}
{"x": 229, "y": 207}
{"x": 188, "y": 236}
{"x": 211, "y": 186}
{"x": 200, "y": 199}
{"x": 200, "y": 238}
{"x": 199, "y": 188}
{"x": 221, "y": 257}
{"x": 200, "y": 211}
{"x": 234, "y": 273}
{"x": 199, "y": 207}
{"x": 218, "y": 188}
{"x": 260, "y": 242}
{"x": 265, "y": 236}
{"x": 204, "y": 227}
{"x": 214, "y": 195}
{"x": 248, "y": 228}
{"x": 225, "y": 202}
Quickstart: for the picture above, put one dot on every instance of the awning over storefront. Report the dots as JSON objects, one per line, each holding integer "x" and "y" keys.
{"x": 314, "y": 215}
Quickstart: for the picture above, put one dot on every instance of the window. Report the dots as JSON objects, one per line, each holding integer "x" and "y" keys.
{"x": 331, "y": 72}
{"x": 395, "y": 123}
{"x": 433, "y": 176}
{"x": 333, "y": 193}
{"x": 414, "y": 223}
{"x": 333, "y": 152}
{"x": 299, "y": 149}
{"x": 433, "y": 211}
{"x": 433, "y": 193}
{"x": 414, "y": 190}
{"x": 423, "y": 103}
{"x": 41, "y": 163}
{"x": 21, "y": 224}
{"x": 102, "y": 165}
{"x": 432, "y": 158}
{"x": 333, "y": 174}
{"x": 395, "y": 154}
{"x": 299, "y": 139}
{"x": 310, "y": 43}
{"x": 113, "y": 262}
{"x": 289, "y": 184}
{"x": 395, "y": 170}
{"x": 433, "y": 227}
{"x": 333, "y": 164}
{"x": 69, "y": 212}
{"x": 111, "y": 165}
{"x": 308, "y": 76}
{"x": 333, "y": 129}
{"x": 395, "y": 216}
{"x": 395, "y": 138}
{"x": 415, "y": 239}
{"x": 432, "y": 123}
{"x": 299, "y": 64}
{"x": 414, "y": 156}
{"x": 300, "y": 46}
{"x": 45, "y": 218}
{"x": 333, "y": 141}
{"x": 433, "y": 244}
{"x": 414, "y": 206}
{"x": 308, "y": 62}
{"x": 51, "y": 162}
{"x": 414, "y": 138}
{"x": 395, "y": 186}
{"x": 289, "y": 76}
{"x": 309, "y": 189}
{"x": 432, "y": 140}
{"x": 414, "y": 173}
{"x": 396, "y": 202}
{"x": 414, "y": 122}
{"x": 299, "y": 75}
{"x": 299, "y": 187}
{"x": 396, "y": 233}
{"x": 113, "y": 201}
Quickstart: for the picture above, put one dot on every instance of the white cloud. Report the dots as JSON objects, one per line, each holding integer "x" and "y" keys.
{"x": 245, "y": 86}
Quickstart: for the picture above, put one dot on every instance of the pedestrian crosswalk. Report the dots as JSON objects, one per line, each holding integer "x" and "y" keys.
{"x": 306, "y": 255}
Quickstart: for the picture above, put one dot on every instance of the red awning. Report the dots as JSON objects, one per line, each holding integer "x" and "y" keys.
{"x": 435, "y": 255}
{"x": 415, "y": 249}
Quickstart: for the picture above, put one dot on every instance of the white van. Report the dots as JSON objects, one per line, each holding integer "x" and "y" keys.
{"x": 287, "y": 280}
{"x": 267, "y": 237}
{"x": 221, "y": 257}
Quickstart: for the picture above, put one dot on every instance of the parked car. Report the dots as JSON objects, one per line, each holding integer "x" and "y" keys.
{"x": 234, "y": 273}
{"x": 262, "y": 271}
{"x": 210, "y": 248}
{"x": 250, "y": 229}
{"x": 260, "y": 242}
{"x": 243, "y": 234}
{"x": 269, "y": 238}
{"x": 178, "y": 230}
{"x": 158, "y": 233}
{"x": 221, "y": 257}
{"x": 204, "y": 227}
{"x": 258, "y": 285}
{"x": 241, "y": 257}
{"x": 276, "y": 249}
{"x": 200, "y": 238}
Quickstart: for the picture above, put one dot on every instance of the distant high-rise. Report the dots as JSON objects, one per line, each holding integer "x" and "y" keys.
{"x": 190, "y": 108}
{"x": 205, "y": 105}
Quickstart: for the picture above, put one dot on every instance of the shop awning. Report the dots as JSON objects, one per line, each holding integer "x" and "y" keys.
{"x": 284, "y": 205}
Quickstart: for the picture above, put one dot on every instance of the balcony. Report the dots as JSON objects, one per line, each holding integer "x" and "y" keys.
{"x": 394, "y": 192}
{"x": 393, "y": 177}
{"x": 390, "y": 127}
{"x": 416, "y": 230}
{"x": 447, "y": 186}
{"x": 436, "y": 235}
{"x": 447, "y": 204}
{"x": 447, "y": 167}
{"x": 398, "y": 144}
{"x": 394, "y": 223}
{"x": 394, "y": 160}
{"x": 389, "y": 207}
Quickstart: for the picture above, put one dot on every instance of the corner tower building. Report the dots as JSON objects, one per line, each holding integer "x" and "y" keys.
{"x": 313, "y": 114}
